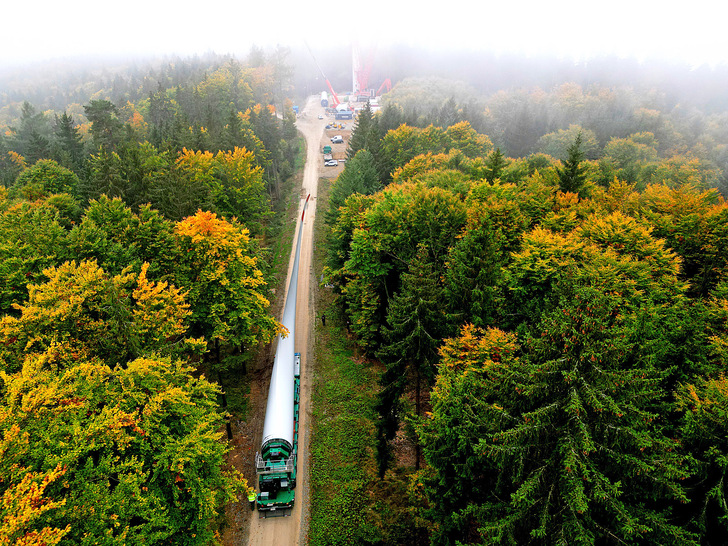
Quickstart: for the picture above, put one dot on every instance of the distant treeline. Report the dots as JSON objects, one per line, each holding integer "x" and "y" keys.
{"x": 630, "y": 133}
{"x": 132, "y": 122}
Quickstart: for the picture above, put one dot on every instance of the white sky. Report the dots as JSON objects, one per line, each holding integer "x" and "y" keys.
{"x": 690, "y": 31}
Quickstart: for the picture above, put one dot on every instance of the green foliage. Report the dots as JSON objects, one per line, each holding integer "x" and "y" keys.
{"x": 138, "y": 447}
{"x": 218, "y": 268}
{"x": 31, "y": 239}
{"x": 392, "y": 229}
{"x": 704, "y": 406}
{"x": 233, "y": 183}
{"x": 557, "y": 144}
{"x": 44, "y": 178}
{"x": 494, "y": 165}
{"x": 359, "y": 176}
{"x": 401, "y": 145}
{"x": 340, "y": 458}
{"x": 106, "y": 127}
{"x": 414, "y": 330}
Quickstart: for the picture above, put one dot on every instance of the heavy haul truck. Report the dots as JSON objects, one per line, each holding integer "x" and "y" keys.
{"x": 277, "y": 459}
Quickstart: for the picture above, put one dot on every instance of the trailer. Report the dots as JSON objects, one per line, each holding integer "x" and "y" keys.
{"x": 276, "y": 462}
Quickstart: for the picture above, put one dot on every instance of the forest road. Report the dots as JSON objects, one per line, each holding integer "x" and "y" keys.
{"x": 285, "y": 531}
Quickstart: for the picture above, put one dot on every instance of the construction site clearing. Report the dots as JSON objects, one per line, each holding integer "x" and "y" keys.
{"x": 333, "y": 150}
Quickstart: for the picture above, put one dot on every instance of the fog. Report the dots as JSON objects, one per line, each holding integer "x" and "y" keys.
{"x": 565, "y": 29}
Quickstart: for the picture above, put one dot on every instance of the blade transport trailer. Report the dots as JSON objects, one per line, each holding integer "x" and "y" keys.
{"x": 276, "y": 462}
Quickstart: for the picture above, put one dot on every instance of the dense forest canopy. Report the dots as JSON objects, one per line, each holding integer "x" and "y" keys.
{"x": 541, "y": 274}
{"x": 135, "y": 217}
{"x": 532, "y": 254}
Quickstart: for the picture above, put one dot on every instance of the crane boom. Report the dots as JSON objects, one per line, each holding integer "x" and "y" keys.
{"x": 331, "y": 89}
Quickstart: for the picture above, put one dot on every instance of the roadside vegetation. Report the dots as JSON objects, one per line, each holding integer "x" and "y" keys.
{"x": 137, "y": 262}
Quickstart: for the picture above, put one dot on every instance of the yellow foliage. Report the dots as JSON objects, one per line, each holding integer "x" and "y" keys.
{"x": 476, "y": 348}
{"x": 206, "y": 227}
{"x": 17, "y": 160}
{"x": 22, "y": 504}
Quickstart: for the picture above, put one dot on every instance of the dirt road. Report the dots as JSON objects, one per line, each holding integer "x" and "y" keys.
{"x": 292, "y": 530}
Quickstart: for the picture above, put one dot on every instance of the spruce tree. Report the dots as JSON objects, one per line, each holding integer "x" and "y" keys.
{"x": 572, "y": 175}
{"x": 495, "y": 164}
{"x": 68, "y": 143}
{"x": 411, "y": 340}
{"x": 360, "y": 135}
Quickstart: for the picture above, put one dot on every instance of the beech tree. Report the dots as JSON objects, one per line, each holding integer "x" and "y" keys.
{"x": 234, "y": 183}
{"x": 115, "y": 318}
{"x": 389, "y": 233}
{"x": 31, "y": 239}
{"x": 44, "y": 178}
{"x": 220, "y": 271}
{"x": 129, "y": 454}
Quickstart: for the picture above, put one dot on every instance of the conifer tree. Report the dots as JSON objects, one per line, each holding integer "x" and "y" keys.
{"x": 495, "y": 164}
{"x": 68, "y": 143}
{"x": 415, "y": 330}
{"x": 572, "y": 175}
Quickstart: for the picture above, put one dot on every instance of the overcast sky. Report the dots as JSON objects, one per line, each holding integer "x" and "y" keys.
{"x": 43, "y": 29}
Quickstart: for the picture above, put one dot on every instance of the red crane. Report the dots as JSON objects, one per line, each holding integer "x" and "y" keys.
{"x": 361, "y": 72}
{"x": 334, "y": 96}
{"x": 386, "y": 83}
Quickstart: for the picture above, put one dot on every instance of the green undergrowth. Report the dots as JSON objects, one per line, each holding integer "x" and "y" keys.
{"x": 342, "y": 460}
{"x": 349, "y": 503}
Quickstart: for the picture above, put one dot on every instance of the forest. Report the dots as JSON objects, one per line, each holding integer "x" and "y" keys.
{"x": 534, "y": 270}
{"x": 551, "y": 326}
{"x": 136, "y": 266}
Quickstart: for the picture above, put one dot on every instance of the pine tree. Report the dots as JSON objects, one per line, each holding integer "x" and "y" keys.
{"x": 106, "y": 128}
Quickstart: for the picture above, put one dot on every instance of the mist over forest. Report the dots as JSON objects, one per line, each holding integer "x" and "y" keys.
{"x": 516, "y": 100}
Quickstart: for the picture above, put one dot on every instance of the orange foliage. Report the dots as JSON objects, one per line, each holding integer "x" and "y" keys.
{"x": 477, "y": 347}
{"x": 204, "y": 226}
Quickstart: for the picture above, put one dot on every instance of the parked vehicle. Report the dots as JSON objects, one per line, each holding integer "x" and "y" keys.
{"x": 331, "y": 163}
{"x": 338, "y": 139}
